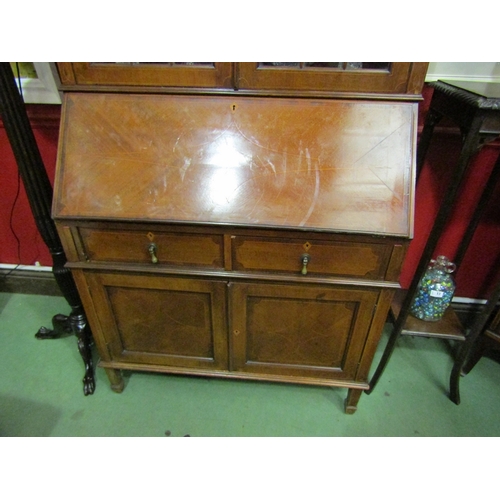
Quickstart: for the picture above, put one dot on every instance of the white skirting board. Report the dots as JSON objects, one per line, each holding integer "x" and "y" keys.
{"x": 21, "y": 267}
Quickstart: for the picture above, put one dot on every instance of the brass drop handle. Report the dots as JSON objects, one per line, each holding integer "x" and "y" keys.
{"x": 306, "y": 258}
{"x": 152, "y": 252}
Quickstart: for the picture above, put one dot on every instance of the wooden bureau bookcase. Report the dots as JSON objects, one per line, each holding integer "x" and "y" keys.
{"x": 244, "y": 237}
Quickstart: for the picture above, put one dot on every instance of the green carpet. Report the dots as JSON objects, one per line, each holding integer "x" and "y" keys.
{"x": 41, "y": 394}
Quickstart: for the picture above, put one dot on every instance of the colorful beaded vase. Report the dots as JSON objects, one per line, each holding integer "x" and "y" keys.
{"x": 435, "y": 290}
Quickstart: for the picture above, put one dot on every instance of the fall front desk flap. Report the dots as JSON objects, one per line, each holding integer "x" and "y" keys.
{"x": 335, "y": 165}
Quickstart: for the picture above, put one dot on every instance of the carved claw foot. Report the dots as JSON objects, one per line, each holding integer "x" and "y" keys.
{"x": 88, "y": 385}
{"x": 60, "y": 329}
{"x": 79, "y": 327}
{"x": 74, "y": 324}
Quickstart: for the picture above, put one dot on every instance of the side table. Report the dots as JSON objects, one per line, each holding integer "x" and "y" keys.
{"x": 475, "y": 108}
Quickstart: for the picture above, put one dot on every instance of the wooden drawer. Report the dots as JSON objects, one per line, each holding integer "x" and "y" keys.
{"x": 133, "y": 246}
{"x": 339, "y": 258}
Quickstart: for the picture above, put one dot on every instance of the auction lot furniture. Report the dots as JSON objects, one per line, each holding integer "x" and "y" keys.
{"x": 245, "y": 221}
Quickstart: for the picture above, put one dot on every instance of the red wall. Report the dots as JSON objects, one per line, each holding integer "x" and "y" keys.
{"x": 45, "y": 123}
{"x": 481, "y": 266}
{"x": 475, "y": 278}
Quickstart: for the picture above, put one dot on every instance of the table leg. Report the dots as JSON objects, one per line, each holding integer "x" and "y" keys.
{"x": 476, "y": 330}
{"x": 115, "y": 379}
{"x": 469, "y": 149}
{"x": 351, "y": 402}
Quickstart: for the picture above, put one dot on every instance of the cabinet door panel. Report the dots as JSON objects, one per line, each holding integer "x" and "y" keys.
{"x": 317, "y": 332}
{"x": 389, "y": 78}
{"x": 165, "y": 321}
{"x": 203, "y": 75}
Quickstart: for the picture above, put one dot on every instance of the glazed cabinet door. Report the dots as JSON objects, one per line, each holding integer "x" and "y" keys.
{"x": 144, "y": 74}
{"x": 356, "y": 77}
{"x": 152, "y": 320}
{"x": 316, "y": 332}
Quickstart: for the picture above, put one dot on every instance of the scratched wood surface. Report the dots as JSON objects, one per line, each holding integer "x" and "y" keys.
{"x": 292, "y": 163}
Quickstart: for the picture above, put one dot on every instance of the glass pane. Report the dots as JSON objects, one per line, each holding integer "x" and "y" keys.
{"x": 323, "y": 65}
{"x": 354, "y": 65}
{"x": 350, "y": 66}
{"x": 194, "y": 64}
{"x": 210, "y": 64}
{"x": 280, "y": 64}
{"x": 122, "y": 63}
{"x": 347, "y": 66}
{"x": 377, "y": 65}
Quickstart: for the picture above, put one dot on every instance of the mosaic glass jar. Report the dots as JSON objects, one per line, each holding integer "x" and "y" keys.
{"x": 435, "y": 290}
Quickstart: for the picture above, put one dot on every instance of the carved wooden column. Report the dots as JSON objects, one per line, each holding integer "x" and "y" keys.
{"x": 39, "y": 192}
